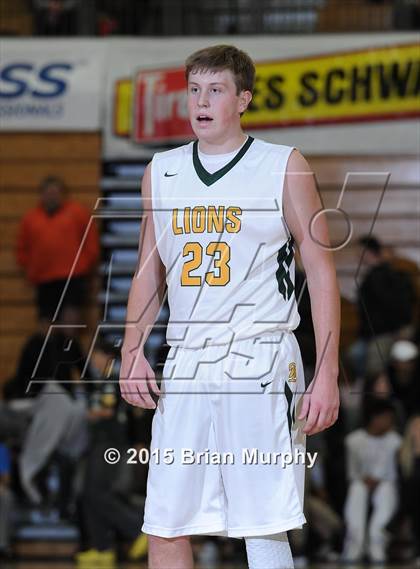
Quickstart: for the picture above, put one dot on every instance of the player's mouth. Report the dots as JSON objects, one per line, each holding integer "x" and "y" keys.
{"x": 204, "y": 119}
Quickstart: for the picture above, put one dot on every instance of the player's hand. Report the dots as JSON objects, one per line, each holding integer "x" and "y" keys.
{"x": 320, "y": 406}
{"x": 137, "y": 380}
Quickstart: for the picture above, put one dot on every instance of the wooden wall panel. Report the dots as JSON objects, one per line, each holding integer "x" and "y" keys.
{"x": 18, "y": 317}
{"x": 17, "y": 174}
{"x": 9, "y": 229}
{"x": 55, "y": 146}
{"x": 349, "y": 257}
{"x": 16, "y": 18}
{"x": 15, "y": 289}
{"x": 8, "y": 264}
{"x": 365, "y": 170}
{"x": 392, "y": 229}
{"x": 395, "y": 202}
{"x": 11, "y": 346}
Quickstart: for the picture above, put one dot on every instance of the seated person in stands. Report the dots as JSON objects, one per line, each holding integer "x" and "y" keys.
{"x": 49, "y": 370}
{"x": 410, "y": 486}
{"x": 404, "y": 372}
{"x": 53, "y": 354}
{"x": 372, "y": 474}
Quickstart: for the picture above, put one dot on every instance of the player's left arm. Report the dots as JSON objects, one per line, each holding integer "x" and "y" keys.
{"x": 300, "y": 202}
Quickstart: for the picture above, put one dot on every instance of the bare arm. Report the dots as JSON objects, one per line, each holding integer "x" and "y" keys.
{"x": 301, "y": 201}
{"x": 144, "y": 302}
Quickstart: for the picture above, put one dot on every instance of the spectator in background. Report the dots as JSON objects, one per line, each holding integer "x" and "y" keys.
{"x": 6, "y": 503}
{"x": 386, "y": 304}
{"x": 126, "y": 17}
{"x": 403, "y": 264}
{"x": 57, "y": 356}
{"x": 378, "y": 386}
{"x": 404, "y": 375}
{"x": 58, "y": 426}
{"x": 108, "y": 22}
{"x": 50, "y": 239}
{"x": 410, "y": 468}
{"x": 56, "y": 17}
{"x": 409, "y": 268}
{"x": 351, "y": 398}
{"x": 372, "y": 475}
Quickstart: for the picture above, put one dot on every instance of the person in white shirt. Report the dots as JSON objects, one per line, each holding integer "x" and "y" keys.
{"x": 372, "y": 474}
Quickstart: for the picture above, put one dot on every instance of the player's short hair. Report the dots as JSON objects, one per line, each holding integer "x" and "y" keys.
{"x": 221, "y": 57}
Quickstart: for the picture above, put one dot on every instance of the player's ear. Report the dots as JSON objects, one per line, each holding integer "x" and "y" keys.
{"x": 244, "y": 100}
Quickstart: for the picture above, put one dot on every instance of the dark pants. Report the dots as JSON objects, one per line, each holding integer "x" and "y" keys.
{"x": 105, "y": 512}
{"x": 50, "y": 293}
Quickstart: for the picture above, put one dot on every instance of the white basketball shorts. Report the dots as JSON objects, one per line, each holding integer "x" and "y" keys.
{"x": 227, "y": 451}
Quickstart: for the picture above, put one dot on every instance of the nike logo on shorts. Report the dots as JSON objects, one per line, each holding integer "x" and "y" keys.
{"x": 167, "y": 175}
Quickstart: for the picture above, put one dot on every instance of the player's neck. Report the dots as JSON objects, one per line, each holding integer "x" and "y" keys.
{"x": 229, "y": 144}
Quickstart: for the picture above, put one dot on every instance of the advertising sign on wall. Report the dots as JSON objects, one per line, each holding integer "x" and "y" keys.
{"x": 46, "y": 85}
{"x": 373, "y": 84}
{"x": 332, "y": 93}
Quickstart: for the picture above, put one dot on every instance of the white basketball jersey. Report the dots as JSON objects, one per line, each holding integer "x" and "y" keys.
{"x": 228, "y": 253}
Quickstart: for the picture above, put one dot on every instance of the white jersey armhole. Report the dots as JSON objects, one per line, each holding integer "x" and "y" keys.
{"x": 291, "y": 148}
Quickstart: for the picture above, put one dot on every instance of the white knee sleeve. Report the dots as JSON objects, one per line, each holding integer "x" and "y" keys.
{"x": 269, "y": 552}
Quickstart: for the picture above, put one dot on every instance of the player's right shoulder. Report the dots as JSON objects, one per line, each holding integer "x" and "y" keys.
{"x": 170, "y": 162}
{"x": 179, "y": 151}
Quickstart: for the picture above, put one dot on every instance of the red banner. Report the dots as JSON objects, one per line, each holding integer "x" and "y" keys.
{"x": 160, "y": 106}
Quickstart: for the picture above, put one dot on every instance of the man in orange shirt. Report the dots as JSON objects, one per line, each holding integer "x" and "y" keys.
{"x": 53, "y": 236}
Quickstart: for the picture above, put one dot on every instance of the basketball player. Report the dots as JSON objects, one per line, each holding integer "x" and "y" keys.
{"x": 222, "y": 217}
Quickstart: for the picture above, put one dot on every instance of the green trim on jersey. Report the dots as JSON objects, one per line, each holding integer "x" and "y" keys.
{"x": 210, "y": 179}
{"x": 290, "y": 408}
{"x": 284, "y": 259}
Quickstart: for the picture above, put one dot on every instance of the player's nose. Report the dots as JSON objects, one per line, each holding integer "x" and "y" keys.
{"x": 203, "y": 100}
